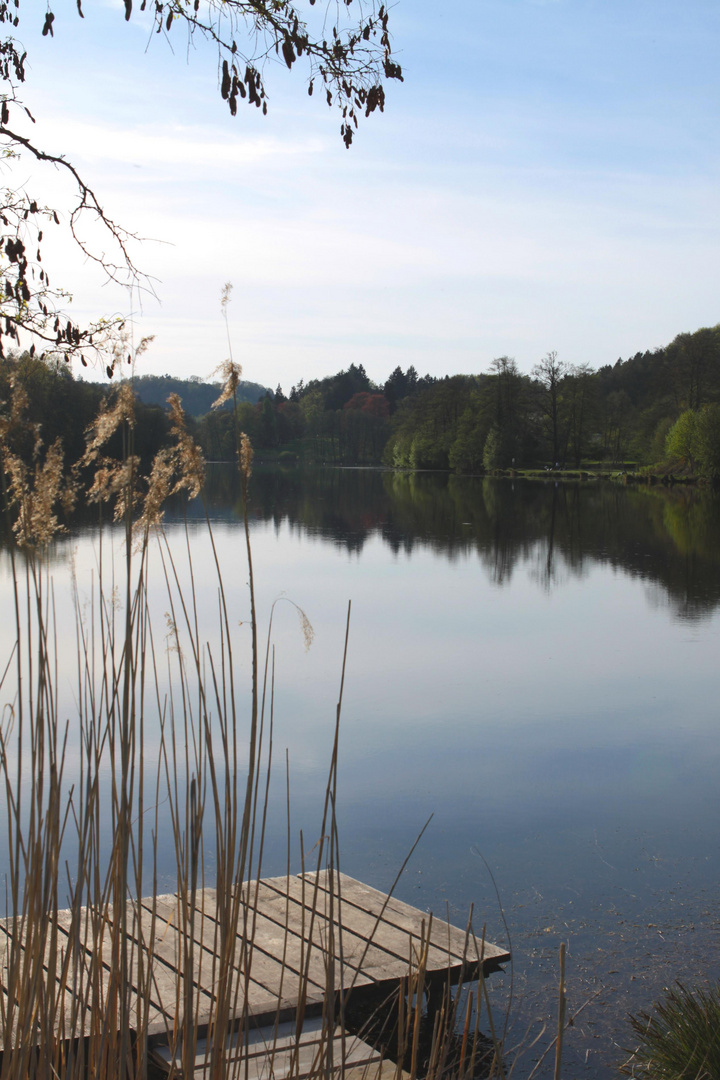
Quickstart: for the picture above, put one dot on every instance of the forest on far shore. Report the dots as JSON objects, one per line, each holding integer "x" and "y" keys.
{"x": 657, "y": 407}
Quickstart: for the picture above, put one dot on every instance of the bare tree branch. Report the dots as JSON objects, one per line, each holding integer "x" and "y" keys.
{"x": 348, "y": 54}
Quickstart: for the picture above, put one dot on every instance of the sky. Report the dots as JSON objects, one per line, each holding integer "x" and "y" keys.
{"x": 545, "y": 178}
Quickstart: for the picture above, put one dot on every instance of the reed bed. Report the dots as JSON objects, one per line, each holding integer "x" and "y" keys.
{"x": 81, "y": 958}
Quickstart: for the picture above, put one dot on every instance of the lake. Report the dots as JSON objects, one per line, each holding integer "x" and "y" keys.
{"x": 534, "y": 664}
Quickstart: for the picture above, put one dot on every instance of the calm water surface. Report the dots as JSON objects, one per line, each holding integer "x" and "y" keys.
{"x": 536, "y": 666}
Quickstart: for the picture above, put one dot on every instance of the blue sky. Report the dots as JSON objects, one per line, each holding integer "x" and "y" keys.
{"x": 547, "y": 177}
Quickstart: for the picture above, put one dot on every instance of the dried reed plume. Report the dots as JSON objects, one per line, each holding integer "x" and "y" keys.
{"x": 175, "y": 468}
{"x": 190, "y": 463}
{"x": 246, "y": 456}
{"x": 32, "y": 492}
{"x": 107, "y": 422}
{"x": 34, "y": 496}
{"x": 229, "y": 373}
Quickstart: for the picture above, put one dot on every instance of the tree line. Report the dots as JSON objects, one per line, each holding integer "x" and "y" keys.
{"x": 566, "y": 415}
{"x": 657, "y": 407}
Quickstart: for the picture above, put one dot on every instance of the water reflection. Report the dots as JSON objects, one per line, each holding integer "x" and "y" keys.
{"x": 505, "y": 674}
{"x": 666, "y": 537}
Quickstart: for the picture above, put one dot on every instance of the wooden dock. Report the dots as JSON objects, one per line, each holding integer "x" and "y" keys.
{"x": 275, "y": 1053}
{"x": 312, "y": 937}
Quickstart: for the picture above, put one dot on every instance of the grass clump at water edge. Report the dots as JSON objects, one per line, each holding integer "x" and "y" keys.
{"x": 680, "y": 1038}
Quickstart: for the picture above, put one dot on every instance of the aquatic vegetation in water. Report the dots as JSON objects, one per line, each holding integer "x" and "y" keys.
{"x": 680, "y": 1039}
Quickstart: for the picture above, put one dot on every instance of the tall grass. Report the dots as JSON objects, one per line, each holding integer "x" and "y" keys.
{"x": 79, "y": 983}
{"x": 680, "y": 1038}
{"x": 86, "y": 920}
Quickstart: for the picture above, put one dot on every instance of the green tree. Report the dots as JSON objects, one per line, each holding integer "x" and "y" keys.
{"x": 290, "y": 421}
{"x": 425, "y": 425}
{"x": 399, "y": 384}
{"x": 426, "y": 452}
{"x": 550, "y": 373}
{"x": 340, "y": 388}
{"x": 397, "y": 450}
{"x": 267, "y": 436}
{"x": 216, "y": 435}
{"x": 466, "y": 451}
{"x": 492, "y": 452}
{"x": 311, "y": 406}
{"x": 656, "y": 450}
{"x": 707, "y": 435}
{"x": 580, "y": 398}
{"x": 616, "y": 421}
{"x": 59, "y": 405}
{"x": 508, "y": 387}
{"x": 510, "y": 420}
{"x": 692, "y": 367}
{"x": 682, "y": 439}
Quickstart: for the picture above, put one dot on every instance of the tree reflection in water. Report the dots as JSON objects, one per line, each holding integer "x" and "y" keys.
{"x": 667, "y": 537}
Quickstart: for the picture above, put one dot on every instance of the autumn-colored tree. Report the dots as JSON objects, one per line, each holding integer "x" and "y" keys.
{"x": 372, "y": 404}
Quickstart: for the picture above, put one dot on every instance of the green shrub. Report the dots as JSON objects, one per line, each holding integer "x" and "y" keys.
{"x": 680, "y": 1039}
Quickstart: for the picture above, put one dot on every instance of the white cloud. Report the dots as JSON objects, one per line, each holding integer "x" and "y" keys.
{"x": 151, "y": 147}
{"x": 558, "y": 195}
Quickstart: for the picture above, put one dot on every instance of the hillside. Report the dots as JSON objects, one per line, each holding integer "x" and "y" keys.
{"x": 197, "y": 396}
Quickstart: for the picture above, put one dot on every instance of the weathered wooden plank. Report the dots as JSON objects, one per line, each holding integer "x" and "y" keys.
{"x": 447, "y": 938}
{"x": 303, "y": 1060}
{"x": 368, "y": 926}
{"x": 68, "y": 1012}
{"x": 268, "y": 988}
{"x": 271, "y": 941}
{"x": 283, "y": 910}
{"x": 97, "y": 942}
{"x": 384, "y": 1069}
{"x": 386, "y": 951}
{"x": 278, "y": 1052}
{"x": 8, "y": 1005}
{"x": 363, "y": 961}
{"x": 303, "y": 968}
{"x": 163, "y": 946}
{"x": 204, "y": 964}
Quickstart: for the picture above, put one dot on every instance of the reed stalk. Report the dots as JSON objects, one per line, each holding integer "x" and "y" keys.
{"x": 88, "y": 941}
